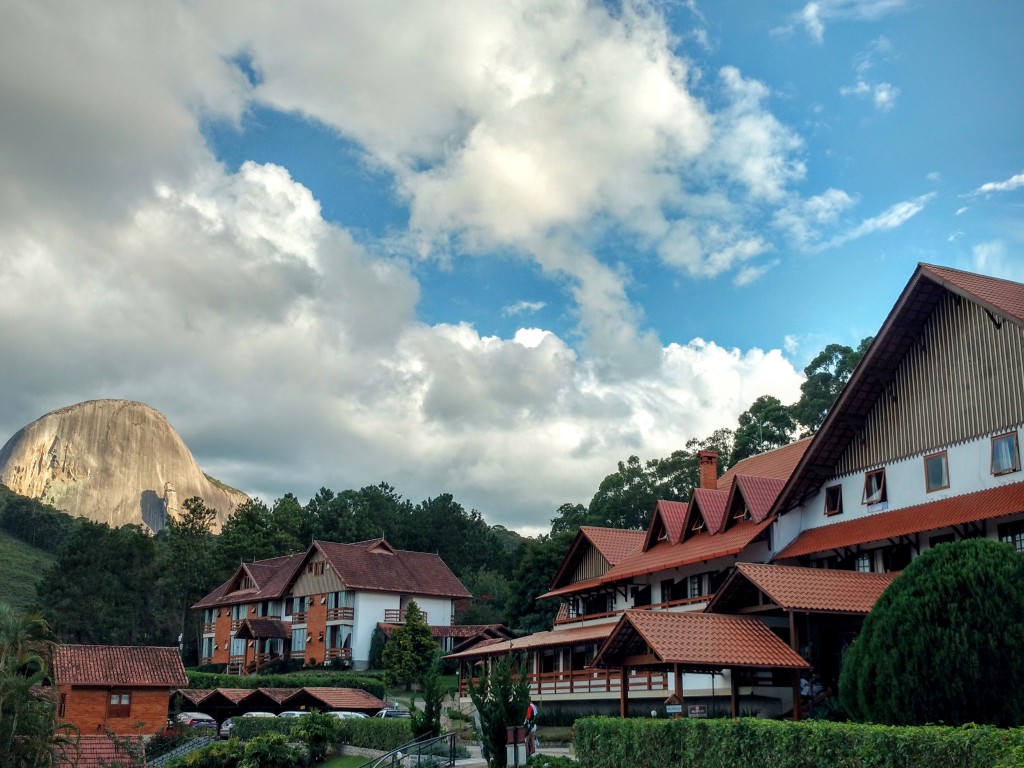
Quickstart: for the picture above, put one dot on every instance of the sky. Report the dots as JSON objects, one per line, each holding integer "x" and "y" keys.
{"x": 480, "y": 248}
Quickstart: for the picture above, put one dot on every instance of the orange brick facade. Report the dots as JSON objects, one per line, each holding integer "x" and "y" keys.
{"x": 89, "y": 710}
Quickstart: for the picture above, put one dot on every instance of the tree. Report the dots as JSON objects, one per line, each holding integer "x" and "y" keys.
{"x": 408, "y": 653}
{"x": 186, "y": 563}
{"x": 500, "y": 697}
{"x": 29, "y": 731}
{"x": 538, "y": 564}
{"x": 427, "y": 722}
{"x": 319, "y": 731}
{"x": 944, "y": 643}
{"x": 765, "y": 425}
{"x": 246, "y": 536}
{"x": 826, "y": 374}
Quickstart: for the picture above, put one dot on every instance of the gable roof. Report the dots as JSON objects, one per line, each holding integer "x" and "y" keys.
{"x": 94, "y": 751}
{"x": 920, "y": 518}
{"x": 334, "y": 698}
{"x": 757, "y": 493}
{"x": 877, "y": 368}
{"x": 119, "y": 665}
{"x": 376, "y": 566}
{"x": 668, "y": 518}
{"x": 711, "y": 505}
{"x": 263, "y": 628}
{"x": 549, "y": 639}
{"x": 701, "y": 640}
{"x": 778, "y": 463}
{"x": 612, "y": 544}
{"x": 792, "y": 588}
{"x": 271, "y": 579}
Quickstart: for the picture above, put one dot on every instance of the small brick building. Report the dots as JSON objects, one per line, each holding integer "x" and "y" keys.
{"x": 117, "y": 688}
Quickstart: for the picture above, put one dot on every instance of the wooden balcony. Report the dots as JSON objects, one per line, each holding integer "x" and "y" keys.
{"x": 299, "y": 617}
{"x": 587, "y": 681}
{"x": 652, "y": 607}
{"x": 339, "y": 653}
{"x": 235, "y": 624}
{"x": 397, "y": 616}
{"x": 340, "y": 614}
{"x": 209, "y": 627}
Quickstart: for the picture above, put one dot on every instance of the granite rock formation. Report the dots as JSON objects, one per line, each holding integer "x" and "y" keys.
{"x": 112, "y": 461}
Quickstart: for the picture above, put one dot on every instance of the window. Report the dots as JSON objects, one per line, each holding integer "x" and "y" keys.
{"x": 874, "y": 487}
{"x": 298, "y": 640}
{"x": 339, "y": 599}
{"x": 641, "y": 596}
{"x": 834, "y": 500}
{"x": 936, "y": 472}
{"x": 1013, "y": 533}
{"x": 1005, "y": 454}
{"x": 237, "y": 612}
{"x": 666, "y": 590}
{"x": 237, "y": 647}
{"x": 120, "y": 704}
{"x": 316, "y": 568}
{"x": 695, "y": 585}
{"x": 207, "y": 647}
{"x": 863, "y": 562}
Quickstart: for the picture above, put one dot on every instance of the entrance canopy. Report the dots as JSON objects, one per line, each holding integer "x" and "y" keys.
{"x": 263, "y": 629}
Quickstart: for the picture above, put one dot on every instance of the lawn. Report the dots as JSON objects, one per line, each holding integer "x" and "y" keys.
{"x": 349, "y": 761}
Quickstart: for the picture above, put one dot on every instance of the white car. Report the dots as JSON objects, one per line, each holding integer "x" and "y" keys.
{"x": 196, "y": 720}
{"x": 343, "y": 715}
{"x": 259, "y": 714}
{"x": 293, "y": 713}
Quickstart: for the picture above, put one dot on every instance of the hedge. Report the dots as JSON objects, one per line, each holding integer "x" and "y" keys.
{"x": 207, "y": 680}
{"x": 604, "y": 742}
{"x": 381, "y": 733}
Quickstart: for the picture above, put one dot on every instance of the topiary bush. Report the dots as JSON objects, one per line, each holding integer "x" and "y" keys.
{"x": 944, "y": 643}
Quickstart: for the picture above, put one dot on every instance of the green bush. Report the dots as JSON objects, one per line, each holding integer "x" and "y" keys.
{"x": 944, "y": 643}
{"x": 206, "y": 681}
{"x": 382, "y": 733}
{"x": 603, "y": 742}
{"x": 247, "y": 728}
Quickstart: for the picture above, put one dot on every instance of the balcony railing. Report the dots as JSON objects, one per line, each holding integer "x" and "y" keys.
{"x": 339, "y": 653}
{"x": 209, "y": 627}
{"x": 653, "y": 607}
{"x": 397, "y": 616}
{"x": 235, "y": 624}
{"x": 587, "y": 681}
{"x": 299, "y": 617}
{"x": 340, "y": 614}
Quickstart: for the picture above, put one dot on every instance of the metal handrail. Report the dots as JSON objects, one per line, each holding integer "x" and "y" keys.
{"x": 412, "y": 753}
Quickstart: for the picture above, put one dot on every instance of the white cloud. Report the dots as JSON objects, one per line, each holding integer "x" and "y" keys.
{"x": 814, "y": 16}
{"x": 803, "y": 220}
{"x": 1012, "y": 183}
{"x": 993, "y": 258}
{"x": 891, "y": 218}
{"x": 523, "y": 307}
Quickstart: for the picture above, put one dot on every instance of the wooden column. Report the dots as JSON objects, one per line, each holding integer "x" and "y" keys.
{"x": 797, "y": 714}
{"x": 677, "y": 674}
{"x": 624, "y": 692}
{"x": 794, "y": 640}
{"x": 734, "y": 693}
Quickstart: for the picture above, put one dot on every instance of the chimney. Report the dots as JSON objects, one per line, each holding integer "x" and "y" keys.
{"x": 708, "y": 461}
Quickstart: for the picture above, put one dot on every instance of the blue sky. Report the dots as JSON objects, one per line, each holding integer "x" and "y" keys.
{"x": 487, "y": 250}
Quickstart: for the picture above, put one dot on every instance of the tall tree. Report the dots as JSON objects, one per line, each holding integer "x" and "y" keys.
{"x": 246, "y": 536}
{"x": 500, "y": 697}
{"x": 538, "y": 564}
{"x": 826, "y": 374}
{"x": 187, "y": 570}
{"x": 765, "y": 425}
{"x": 410, "y": 650}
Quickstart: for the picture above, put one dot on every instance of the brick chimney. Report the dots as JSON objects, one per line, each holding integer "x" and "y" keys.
{"x": 708, "y": 461}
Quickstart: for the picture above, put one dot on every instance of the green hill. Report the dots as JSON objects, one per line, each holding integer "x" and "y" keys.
{"x": 21, "y": 566}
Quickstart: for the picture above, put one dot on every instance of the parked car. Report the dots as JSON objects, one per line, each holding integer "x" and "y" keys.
{"x": 195, "y": 720}
{"x": 343, "y": 715}
{"x": 293, "y": 713}
{"x": 393, "y": 712}
{"x": 259, "y": 714}
{"x": 225, "y": 729}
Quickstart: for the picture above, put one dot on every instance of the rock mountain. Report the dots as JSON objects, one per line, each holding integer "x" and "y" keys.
{"x": 112, "y": 461}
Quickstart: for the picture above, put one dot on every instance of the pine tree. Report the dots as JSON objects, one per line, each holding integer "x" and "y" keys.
{"x": 410, "y": 650}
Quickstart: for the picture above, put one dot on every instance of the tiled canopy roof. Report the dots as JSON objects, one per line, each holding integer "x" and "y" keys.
{"x": 778, "y": 464}
{"x": 375, "y": 566}
{"x": 120, "y": 665}
{"x": 550, "y": 639}
{"x": 791, "y": 588}
{"x": 94, "y": 751}
{"x": 696, "y": 640}
{"x": 920, "y": 518}
{"x": 335, "y": 698}
{"x": 586, "y": 585}
{"x": 711, "y": 503}
{"x": 759, "y": 494}
{"x": 613, "y": 543}
{"x": 877, "y": 368}
{"x": 668, "y": 519}
{"x": 263, "y": 628}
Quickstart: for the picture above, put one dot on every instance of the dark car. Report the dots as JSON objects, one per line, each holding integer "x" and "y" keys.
{"x": 393, "y": 712}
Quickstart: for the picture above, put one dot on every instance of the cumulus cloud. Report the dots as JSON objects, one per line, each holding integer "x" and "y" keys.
{"x": 288, "y": 352}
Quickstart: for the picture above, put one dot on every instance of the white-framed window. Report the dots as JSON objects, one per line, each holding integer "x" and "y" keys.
{"x": 1013, "y": 534}
{"x": 863, "y": 562}
{"x": 936, "y": 472}
{"x": 834, "y": 500}
{"x": 299, "y": 639}
{"x": 874, "y": 487}
{"x": 1005, "y": 454}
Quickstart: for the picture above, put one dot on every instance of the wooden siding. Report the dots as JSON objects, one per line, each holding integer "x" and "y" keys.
{"x": 961, "y": 379}
{"x": 310, "y": 582}
{"x": 87, "y": 709}
{"x": 590, "y": 566}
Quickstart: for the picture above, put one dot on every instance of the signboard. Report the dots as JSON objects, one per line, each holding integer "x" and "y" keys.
{"x": 673, "y": 709}
{"x": 697, "y": 710}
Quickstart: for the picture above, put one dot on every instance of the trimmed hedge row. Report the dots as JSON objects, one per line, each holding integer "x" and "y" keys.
{"x": 604, "y": 742}
{"x": 382, "y": 733}
{"x": 207, "y": 680}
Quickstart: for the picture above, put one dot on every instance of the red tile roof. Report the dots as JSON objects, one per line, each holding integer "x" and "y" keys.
{"x": 613, "y": 543}
{"x": 792, "y": 588}
{"x": 711, "y": 503}
{"x": 701, "y": 547}
{"x": 778, "y": 463}
{"x": 1003, "y": 297}
{"x": 550, "y": 639}
{"x": 668, "y": 519}
{"x": 759, "y": 493}
{"x": 264, "y": 628}
{"x": 375, "y": 566}
{"x": 337, "y": 698}
{"x": 271, "y": 577}
{"x": 702, "y": 640}
{"x": 120, "y": 665}
{"x": 971, "y": 507}
{"x": 576, "y": 586}
{"x": 96, "y": 751}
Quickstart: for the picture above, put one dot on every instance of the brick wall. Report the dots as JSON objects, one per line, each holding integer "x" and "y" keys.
{"x": 87, "y": 709}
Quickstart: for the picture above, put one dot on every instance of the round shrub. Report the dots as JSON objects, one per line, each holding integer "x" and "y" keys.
{"x": 944, "y": 643}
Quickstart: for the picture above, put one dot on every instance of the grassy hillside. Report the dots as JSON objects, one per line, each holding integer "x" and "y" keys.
{"x": 21, "y": 566}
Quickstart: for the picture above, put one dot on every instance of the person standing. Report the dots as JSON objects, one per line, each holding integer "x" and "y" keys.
{"x": 530, "y": 725}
